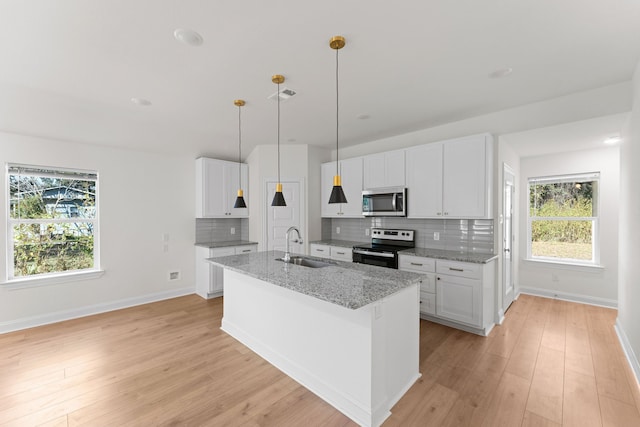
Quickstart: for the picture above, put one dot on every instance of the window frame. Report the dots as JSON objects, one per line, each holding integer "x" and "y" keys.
{"x": 595, "y": 219}
{"x": 58, "y": 276}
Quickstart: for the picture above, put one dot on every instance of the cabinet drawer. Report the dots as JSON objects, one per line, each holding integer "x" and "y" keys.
{"x": 223, "y": 251}
{"x": 416, "y": 264}
{"x": 341, "y": 254}
{"x": 459, "y": 269}
{"x": 246, "y": 249}
{"x": 427, "y": 303}
{"x": 321, "y": 251}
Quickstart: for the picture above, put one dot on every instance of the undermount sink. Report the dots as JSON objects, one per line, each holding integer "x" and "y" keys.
{"x": 307, "y": 262}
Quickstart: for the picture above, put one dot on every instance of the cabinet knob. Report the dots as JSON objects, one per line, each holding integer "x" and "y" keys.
{"x": 439, "y": 213}
{"x": 438, "y": 278}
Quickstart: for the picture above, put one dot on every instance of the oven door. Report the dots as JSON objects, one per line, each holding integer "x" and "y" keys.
{"x": 381, "y": 259}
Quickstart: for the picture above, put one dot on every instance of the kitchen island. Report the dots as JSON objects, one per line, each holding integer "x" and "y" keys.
{"x": 347, "y": 332}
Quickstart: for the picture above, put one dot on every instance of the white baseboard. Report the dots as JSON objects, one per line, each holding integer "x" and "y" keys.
{"x": 565, "y": 296}
{"x": 59, "y": 316}
{"x": 628, "y": 350}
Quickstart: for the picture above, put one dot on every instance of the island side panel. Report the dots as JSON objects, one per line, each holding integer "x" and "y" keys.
{"x": 359, "y": 361}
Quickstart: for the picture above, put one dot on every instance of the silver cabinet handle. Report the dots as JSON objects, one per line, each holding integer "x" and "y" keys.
{"x": 417, "y": 263}
{"x": 340, "y": 253}
{"x": 319, "y": 250}
{"x": 456, "y": 269}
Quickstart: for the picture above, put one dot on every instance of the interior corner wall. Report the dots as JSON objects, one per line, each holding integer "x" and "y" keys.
{"x": 628, "y": 323}
{"x": 141, "y": 197}
{"x": 583, "y": 284}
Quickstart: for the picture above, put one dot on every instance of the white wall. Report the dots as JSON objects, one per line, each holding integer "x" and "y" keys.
{"x": 132, "y": 221}
{"x": 598, "y": 286}
{"x": 628, "y": 323}
{"x": 297, "y": 162}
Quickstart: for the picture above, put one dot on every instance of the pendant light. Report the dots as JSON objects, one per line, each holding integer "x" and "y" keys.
{"x": 240, "y": 199}
{"x": 278, "y": 198}
{"x": 337, "y": 193}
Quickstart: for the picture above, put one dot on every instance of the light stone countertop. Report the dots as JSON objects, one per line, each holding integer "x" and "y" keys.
{"x": 462, "y": 256}
{"x": 226, "y": 244}
{"x": 340, "y": 243}
{"x": 343, "y": 283}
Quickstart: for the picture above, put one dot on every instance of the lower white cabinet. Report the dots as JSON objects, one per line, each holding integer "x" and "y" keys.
{"x": 337, "y": 253}
{"x": 459, "y": 294}
{"x": 209, "y": 277}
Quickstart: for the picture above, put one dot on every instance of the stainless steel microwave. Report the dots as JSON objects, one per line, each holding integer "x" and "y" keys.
{"x": 391, "y": 201}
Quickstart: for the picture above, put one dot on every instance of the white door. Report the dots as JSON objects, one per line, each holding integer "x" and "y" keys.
{"x": 280, "y": 218}
{"x": 508, "y": 184}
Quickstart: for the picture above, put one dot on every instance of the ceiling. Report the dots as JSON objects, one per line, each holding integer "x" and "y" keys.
{"x": 71, "y": 67}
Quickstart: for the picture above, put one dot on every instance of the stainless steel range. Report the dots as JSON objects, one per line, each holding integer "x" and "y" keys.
{"x": 384, "y": 247}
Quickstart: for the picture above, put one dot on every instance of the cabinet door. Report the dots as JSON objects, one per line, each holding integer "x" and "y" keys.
{"x": 428, "y": 303}
{"x": 465, "y": 183}
{"x": 321, "y": 251}
{"x": 424, "y": 181}
{"x": 231, "y": 185}
{"x": 351, "y": 172}
{"x": 211, "y": 190}
{"x": 216, "y": 283}
{"x": 245, "y": 249}
{"x": 459, "y": 299}
{"x": 384, "y": 170}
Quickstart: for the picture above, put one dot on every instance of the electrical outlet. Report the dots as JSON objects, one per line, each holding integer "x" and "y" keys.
{"x": 554, "y": 277}
{"x": 174, "y": 275}
{"x": 165, "y": 237}
{"x": 337, "y": 230}
{"x": 436, "y": 235}
{"x": 165, "y": 247}
{"x": 233, "y": 230}
{"x": 366, "y": 231}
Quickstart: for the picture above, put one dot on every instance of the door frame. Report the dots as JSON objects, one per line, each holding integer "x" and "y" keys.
{"x": 506, "y": 169}
{"x": 267, "y": 198}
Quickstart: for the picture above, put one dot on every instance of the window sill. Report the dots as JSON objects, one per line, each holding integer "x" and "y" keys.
{"x": 566, "y": 265}
{"x": 32, "y": 282}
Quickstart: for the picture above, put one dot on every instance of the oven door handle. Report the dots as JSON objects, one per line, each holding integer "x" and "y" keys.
{"x": 378, "y": 254}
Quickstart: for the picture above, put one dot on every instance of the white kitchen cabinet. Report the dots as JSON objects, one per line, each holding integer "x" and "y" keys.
{"x": 351, "y": 175}
{"x": 384, "y": 170}
{"x": 427, "y": 267}
{"x": 465, "y": 293}
{"x": 217, "y": 187}
{"x": 210, "y": 278}
{"x": 450, "y": 179}
{"x": 337, "y": 253}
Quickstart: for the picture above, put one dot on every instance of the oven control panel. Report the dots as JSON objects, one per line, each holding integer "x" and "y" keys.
{"x": 402, "y": 235}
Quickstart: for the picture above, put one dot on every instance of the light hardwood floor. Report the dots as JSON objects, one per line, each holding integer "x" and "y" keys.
{"x": 551, "y": 363}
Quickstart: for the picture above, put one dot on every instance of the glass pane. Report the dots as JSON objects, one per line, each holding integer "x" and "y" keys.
{"x": 563, "y": 199}
{"x": 45, "y": 197}
{"x": 51, "y": 248}
{"x": 562, "y": 239}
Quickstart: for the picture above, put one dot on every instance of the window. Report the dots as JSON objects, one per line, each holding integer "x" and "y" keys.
{"x": 52, "y": 221}
{"x": 563, "y": 218}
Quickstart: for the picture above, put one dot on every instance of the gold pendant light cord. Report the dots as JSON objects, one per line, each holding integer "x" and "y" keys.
{"x": 239, "y": 150}
{"x": 278, "y": 133}
{"x": 337, "y": 115}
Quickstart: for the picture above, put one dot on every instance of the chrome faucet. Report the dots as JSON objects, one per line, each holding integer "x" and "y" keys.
{"x": 287, "y": 254}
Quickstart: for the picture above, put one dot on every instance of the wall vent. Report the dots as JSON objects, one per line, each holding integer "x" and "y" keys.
{"x": 285, "y": 94}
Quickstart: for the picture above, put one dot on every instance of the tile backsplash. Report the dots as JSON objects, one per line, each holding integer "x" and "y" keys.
{"x": 219, "y": 229}
{"x": 472, "y": 235}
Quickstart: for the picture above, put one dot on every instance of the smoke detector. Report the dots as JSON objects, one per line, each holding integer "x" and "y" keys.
{"x": 285, "y": 94}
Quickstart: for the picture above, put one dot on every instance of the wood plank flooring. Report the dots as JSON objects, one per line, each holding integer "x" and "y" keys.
{"x": 552, "y": 363}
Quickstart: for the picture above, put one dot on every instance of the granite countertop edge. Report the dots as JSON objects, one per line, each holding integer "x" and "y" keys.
{"x": 346, "y": 284}
{"x": 227, "y": 244}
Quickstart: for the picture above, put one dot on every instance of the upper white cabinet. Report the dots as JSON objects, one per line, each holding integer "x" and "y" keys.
{"x": 384, "y": 170}
{"x": 217, "y": 186}
{"x": 351, "y": 174}
{"x": 451, "y": 179}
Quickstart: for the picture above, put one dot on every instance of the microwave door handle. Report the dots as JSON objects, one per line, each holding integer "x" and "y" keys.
{"x": 393, "y": 201}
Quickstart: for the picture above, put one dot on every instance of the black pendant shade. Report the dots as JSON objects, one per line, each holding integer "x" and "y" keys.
{"x": 239, "y": 202}
{"x": 278, "y": 199}
{"x": 337, "y": 195}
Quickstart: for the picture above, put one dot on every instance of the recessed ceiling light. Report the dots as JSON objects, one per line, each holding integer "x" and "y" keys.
{"x": 189, "y": 37}
{"x": 613, "y": 140}
{"x": 502, "y": 72}
{"x": 141, "y": 102}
